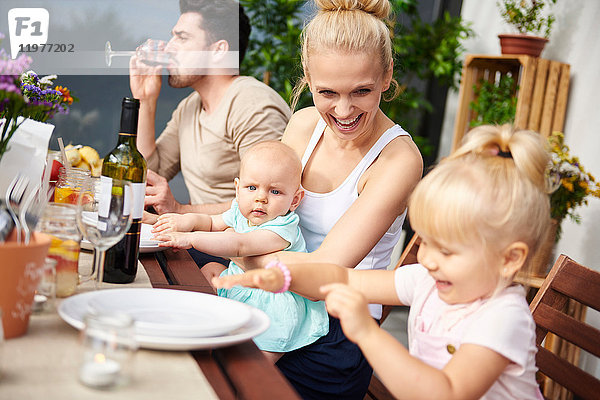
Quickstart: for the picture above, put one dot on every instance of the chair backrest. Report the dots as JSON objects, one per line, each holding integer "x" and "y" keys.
{"x": 567, "y": 281}
{"x": 408, "y": 256}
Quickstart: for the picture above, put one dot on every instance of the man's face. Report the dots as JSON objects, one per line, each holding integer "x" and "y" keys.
{"x": 187, "y": 39}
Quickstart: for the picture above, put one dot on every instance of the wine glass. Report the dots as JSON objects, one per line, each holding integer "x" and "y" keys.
{"x": 104, "y": 220}
{"x": 151, "y": 53}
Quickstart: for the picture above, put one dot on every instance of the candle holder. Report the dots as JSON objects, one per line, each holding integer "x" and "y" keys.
{"x": 108, "y": 346}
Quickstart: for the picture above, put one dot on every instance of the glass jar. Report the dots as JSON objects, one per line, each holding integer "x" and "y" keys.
{"x": 60, "y": 222}
{"x": 69, "y": 184}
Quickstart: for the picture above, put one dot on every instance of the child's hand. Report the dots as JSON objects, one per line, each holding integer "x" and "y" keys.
{"x": 177, "y": 240}
{"x": 172, "y": 222}
{"x": 350, "y": 307}
{"x": 270, "y": 280}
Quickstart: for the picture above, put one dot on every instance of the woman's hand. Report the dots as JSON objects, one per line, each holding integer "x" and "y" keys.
{"x": 350, "y": 307}
{"x": 172, "y": 222}
{"x": 176, "y": 240}
{"x": 271, "y": 280}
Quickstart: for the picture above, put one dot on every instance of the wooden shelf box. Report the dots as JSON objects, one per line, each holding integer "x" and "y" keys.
{"x": 543, "y": 87}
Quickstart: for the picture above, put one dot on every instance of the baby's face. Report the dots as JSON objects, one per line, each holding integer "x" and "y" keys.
{"x": 266, "y": 190}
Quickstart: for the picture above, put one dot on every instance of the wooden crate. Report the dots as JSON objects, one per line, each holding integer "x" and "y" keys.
{"x": 543, "y": 87}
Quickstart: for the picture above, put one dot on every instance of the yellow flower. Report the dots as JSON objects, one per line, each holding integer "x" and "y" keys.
{"x": 66, "y": 93}
{"x": 568, "y": 185}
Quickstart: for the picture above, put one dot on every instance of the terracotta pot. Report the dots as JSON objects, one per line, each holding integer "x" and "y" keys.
{"x": 522, "y": 44}
{"x": 19, "y": 276}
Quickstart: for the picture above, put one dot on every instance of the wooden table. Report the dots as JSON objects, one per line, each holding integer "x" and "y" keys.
{"x": 235, "y": 372}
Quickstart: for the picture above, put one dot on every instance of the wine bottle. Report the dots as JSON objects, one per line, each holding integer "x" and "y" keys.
{"x": 127, "y": 163}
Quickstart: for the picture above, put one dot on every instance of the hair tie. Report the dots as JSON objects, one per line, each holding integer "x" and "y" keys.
{"x": 287, "y": 277}
{"x": 505, "y": 154}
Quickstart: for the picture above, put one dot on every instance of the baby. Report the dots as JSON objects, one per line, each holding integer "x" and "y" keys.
{"x": 261, "y": 220}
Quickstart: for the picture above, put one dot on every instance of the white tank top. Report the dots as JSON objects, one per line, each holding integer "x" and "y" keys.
{"x": 319, "y": 212}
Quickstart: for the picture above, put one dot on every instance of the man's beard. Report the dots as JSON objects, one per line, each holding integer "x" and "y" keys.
{"x": 182, "y": 81}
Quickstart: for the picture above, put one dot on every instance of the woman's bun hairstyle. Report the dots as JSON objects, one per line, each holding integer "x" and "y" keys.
{"x": 378, "y": 8}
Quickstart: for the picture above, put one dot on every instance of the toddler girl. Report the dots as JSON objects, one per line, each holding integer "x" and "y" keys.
{"x": 481, "y": 215}
{"x": 263, "y": 221}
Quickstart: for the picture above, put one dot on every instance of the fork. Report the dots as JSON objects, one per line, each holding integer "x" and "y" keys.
{"x": 14, "y": 197}
{"x": 32, "y": 208}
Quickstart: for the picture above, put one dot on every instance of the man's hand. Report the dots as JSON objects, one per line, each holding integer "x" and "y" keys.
{"x": 158, "y": 194}
{"x": 145, "y": 81}
{"x": 149, "y": 218}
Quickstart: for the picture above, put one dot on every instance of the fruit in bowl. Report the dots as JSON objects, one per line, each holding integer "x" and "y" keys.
{"x": 84, "y": 157}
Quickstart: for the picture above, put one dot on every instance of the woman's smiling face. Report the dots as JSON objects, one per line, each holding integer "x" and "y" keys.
{"x": 347, "y": 90}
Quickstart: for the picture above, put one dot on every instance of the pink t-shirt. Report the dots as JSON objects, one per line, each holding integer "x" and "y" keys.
{"x": 503, "y": 324}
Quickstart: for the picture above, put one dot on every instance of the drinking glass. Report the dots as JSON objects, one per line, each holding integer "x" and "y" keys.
{"x": 105, "y": 220}
{"x": 60, "y": 222}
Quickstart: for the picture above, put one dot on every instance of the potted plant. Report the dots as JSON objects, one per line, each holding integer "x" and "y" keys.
{"x": 573, "y": 185}
{"x": 531, "y": 23}
{"x": 495, "y": 102}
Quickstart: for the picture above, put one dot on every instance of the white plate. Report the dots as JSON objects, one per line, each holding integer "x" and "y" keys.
{"x": 174, "y": 313}
{"x": 73, "y": 309}
{"x": 146, "y": 244}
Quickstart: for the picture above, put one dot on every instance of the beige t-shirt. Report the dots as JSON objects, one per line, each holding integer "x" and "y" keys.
{"x": 207, "y": 147}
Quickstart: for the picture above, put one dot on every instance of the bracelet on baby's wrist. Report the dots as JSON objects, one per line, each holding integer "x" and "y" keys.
{"x": 287, "y": 276}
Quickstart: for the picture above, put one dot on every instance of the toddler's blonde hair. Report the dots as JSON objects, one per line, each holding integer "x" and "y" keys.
{"x": 491, "y": 191}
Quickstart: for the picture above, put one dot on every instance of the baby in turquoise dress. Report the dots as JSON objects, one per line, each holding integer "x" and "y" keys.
{"x": 261, "y": 220}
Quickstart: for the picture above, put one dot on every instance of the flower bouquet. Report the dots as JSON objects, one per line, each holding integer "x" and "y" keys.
{"x": 573, "y": 183}
{"x": 26, "y": 95}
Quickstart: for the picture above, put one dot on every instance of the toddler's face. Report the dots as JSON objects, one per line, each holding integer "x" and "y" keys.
{"x": 266, "y": 190}
{"x": 462, "y": 273}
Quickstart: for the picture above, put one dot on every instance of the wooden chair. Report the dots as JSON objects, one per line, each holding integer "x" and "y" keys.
{"x": 377, "y": 391}
{"x": 567, "y": 282}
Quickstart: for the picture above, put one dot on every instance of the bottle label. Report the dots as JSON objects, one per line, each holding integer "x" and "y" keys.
{"x": 104, "y": 200}
{"x": 139, "y": 192}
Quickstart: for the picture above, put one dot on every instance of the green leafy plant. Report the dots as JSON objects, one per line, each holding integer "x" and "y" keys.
{"x": 423, "y": 51}
{"x": 495, "y": 102}
{"x": 273, "y": 54}
{"x": 527, "y": 16}
{"x": 574, "y": 185}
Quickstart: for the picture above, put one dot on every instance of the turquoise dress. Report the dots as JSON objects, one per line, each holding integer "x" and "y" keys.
{"x": 295, "y": 320}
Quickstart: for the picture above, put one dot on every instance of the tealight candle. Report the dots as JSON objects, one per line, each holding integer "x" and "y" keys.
{"x": 100, "y": 372}
{"x": 108, "y": 344}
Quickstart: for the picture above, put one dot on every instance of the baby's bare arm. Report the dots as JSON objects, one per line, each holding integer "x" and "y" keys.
{"x": 172, "y": 222}
{"x": 227, "y": 243}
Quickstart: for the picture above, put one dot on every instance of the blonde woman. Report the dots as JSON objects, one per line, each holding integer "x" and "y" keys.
{"x": 359, "y": 168}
